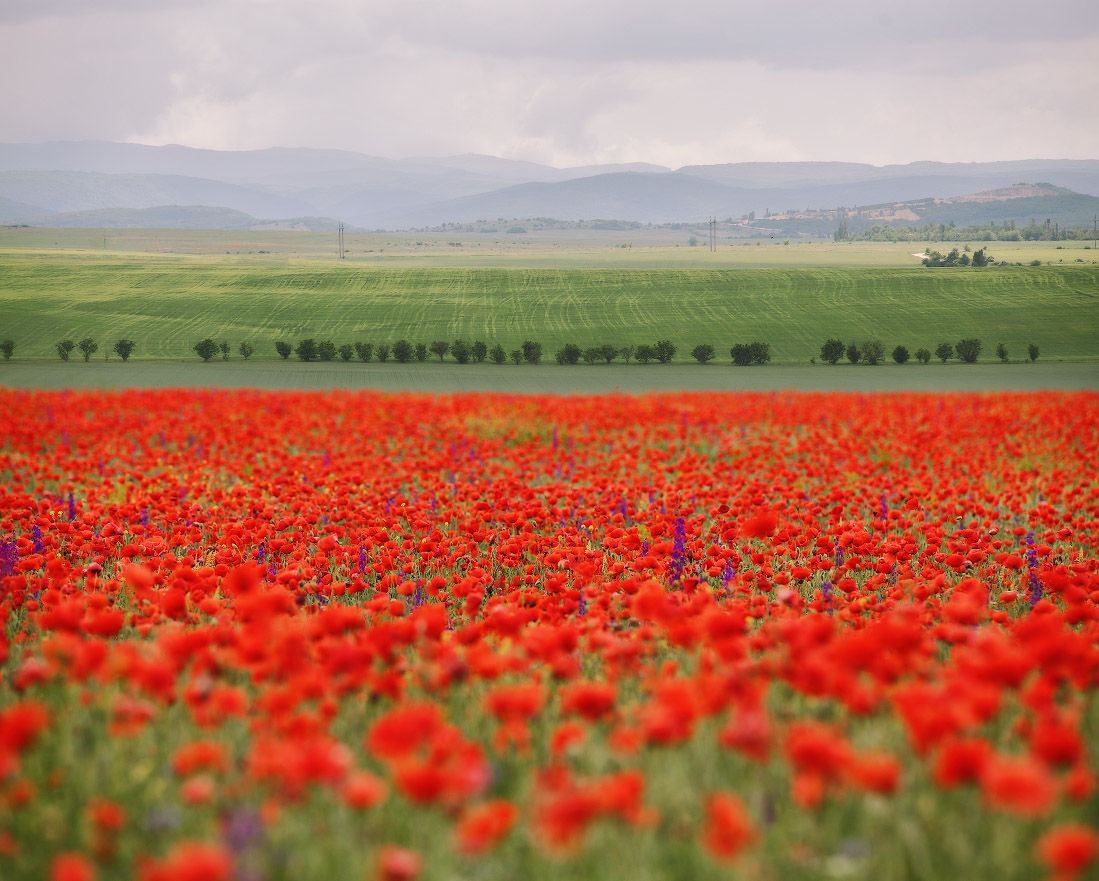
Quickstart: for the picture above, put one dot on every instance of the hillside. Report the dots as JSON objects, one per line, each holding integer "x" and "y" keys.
{"x": 379, "y": 193}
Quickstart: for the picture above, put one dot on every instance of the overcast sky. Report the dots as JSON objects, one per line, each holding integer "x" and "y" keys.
{"x": 564, "y": 82}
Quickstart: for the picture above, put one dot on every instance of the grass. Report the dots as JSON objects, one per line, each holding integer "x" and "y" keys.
{"x": 435, "y": 378}
{"x": 168, "y": 302}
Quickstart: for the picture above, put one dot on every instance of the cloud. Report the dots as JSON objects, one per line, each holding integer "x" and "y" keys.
{"x": 562, "y": 82}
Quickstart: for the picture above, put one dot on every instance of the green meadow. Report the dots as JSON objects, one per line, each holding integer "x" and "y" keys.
{"x": 167, "y": 302}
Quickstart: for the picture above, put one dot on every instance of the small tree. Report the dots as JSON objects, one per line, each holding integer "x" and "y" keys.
{"x": 608, "y": 352}
{"x": 461, "y": 351}
{"x": 968, "y": 350}
{"x": 1001, "y": 352}
{"x": 702, "y": 353}
{"x": 944, "y": 352}
{"x": 1031, "y": 350}
{"x": 923, "y": 356}
{"x": 760, "y": 353}
{"x": 440, "y": 348}
{"x": 224, "y": 351}
{"x": 365, "y": 351}
{"x": 88, "y": 346}
{"x": 246, "y": 350}
{"x": 532, "y": 351}
{"x": 206, "y": 349}
{"x": 517, "y": 356}
{"x": 853, "y": 352}
{"x": 124, "y": 348}
{"x": 284, "y": 349}
{"x": 479, "y": 351}
{"x": 873, "y": 351}
{"x": 63, "y": 349}
{"x": 832, "y": 351}
{"x": 382, "y": 351}
{"x": 403, "y": 351}
{"x": 6, "y": 348}
{"x": 497, "y": 354}
{"x": 421, "y": 352}
{"x": 980, "y": 258}
{"x": 326, "y": 350}
{"x": 900, "y": 355}
{"x": 591, "y": 354}
{"x": 646, "y": 353}
{"x": 568, "y": 354}
{"x": 306, "y": 350}
{"x": 665, "y": 351}
{"x": 627, "y": 353}
{"x": 741, "y": 354}
{"x": 347, "y": 352}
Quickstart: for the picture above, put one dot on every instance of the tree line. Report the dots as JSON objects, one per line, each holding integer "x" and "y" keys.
{"x": 87, "y": 346}
{"x": 873, "y": 352}
{"x": 477, "y": 352}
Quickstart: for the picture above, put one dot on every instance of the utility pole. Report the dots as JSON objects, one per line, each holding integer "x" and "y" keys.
{"x": 341, "y": 240}
{"x": 713, "y": 233}
{"x": 1094, "y": 226}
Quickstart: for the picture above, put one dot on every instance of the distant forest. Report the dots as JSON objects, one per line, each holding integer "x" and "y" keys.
{"x": 1007, "y": 231}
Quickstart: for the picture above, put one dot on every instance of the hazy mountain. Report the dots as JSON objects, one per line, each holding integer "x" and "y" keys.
{"x": 374, "y": 192}
{"x": 12, "y": 211}
{"x": 60, "y": 191}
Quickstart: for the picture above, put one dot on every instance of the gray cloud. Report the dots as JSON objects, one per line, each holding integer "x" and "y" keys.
{"x": 563, "y": 82}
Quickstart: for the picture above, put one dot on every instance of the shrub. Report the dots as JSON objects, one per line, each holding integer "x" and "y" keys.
{"x": 124, "y": 348}
{"x": 1001, "y": 352}
{"x": 944, "y": 352}
{"x": 923, "y": 356}
{"x": 832, "y": 351}
{"x": 63, "y": 349}
{"x": 627, "y": 353}
{"x": 517, "y": 356}
{"x": 283, "y": 349}
{"x": 326, "y": 350}
{"x": 246, "y": 350}
{"x": 461, "y": 351}
{"x": 306, "y": 350}
{"x": 646, "y": 353}
{"x": 741, "y": 354}
{"x": 592, "y": 354}
{"x": 88, "y": 346}
{"x": 853, "y": 352}
{"x": 968, "y": 350}
{"x": 478, "y": 351}
{"x": 760, "y": 352}
{"x": 382, "y": 351}
{"x": 421, "y": 352}
{"x": 6, "y": 348}
{"x": 702, "y": 353}
{"x": 900, "y": 355}
{"x": 665, "y": 351}
{"x": 440, "y": 348}
{"x": 347, "y": 352}
{"x": 365, "y": 351}
{"x": 206, "y": 349}
{"x": 532, "y": 351}
{"x": 873, "y": 351}
{"x": 224, "y": 346}
{"x": 403, "y": 351}
{"x": 1031, "y": 350}
{"x": 498, "y": 355}
{"x": 568, "y": 354}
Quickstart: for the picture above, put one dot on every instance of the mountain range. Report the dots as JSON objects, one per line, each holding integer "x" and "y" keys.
{"x": 97, "y": 183}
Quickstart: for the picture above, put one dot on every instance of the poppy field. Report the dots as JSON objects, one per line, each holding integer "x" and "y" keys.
{"x": 348, "y": 635}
